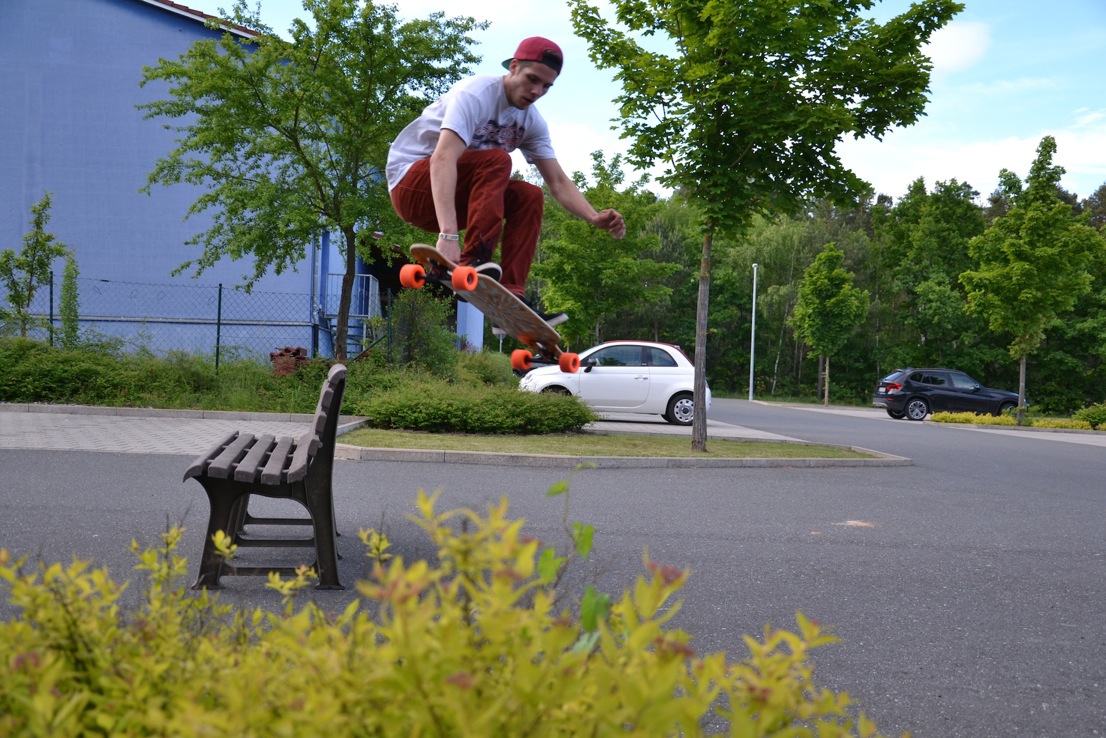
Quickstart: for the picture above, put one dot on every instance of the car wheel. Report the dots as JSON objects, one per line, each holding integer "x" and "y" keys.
{"x": 681, "y": 409}
{"x": 917, "y": 409}
{"x": 1004, "y": 407}
{"x": 896, "y": 414}
{"x": 555, "y": 390}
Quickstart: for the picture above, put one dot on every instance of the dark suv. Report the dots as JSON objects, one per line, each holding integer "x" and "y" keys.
{"x": 915, "y": 393}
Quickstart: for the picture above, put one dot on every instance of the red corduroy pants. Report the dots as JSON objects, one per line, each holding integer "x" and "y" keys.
{"x": 489, "y": 204}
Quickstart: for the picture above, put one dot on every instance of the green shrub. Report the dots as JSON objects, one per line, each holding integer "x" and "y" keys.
{"x": 485, "y": 368}
{"x": 440, "y": 407}
{"x": 1062, "y": 423}
{"x": 1094, "y": 414}
{"x": 476, "y": 644}
{"x": 420, "y": 337}
{"x": 482, "y": 397}
{"x": 972, "y": 418}
{"x": 35, "y": 372}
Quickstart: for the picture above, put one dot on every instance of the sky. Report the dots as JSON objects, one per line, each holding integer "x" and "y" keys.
{"x": 1005, "y": 74}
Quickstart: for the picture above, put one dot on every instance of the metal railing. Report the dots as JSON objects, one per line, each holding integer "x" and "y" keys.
{"x": 207, "y": 319}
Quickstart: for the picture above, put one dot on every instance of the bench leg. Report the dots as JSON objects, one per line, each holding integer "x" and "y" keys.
{"x": 224, "y": 504}
{"x": 320, "y": 504}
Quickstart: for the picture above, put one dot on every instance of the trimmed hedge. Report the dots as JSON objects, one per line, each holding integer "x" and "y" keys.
{"x": 440, "y": 407}
{"x": 1007, "y": 420}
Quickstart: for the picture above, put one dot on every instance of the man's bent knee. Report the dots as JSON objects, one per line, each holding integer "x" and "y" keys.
{"x": 527, "y": 197}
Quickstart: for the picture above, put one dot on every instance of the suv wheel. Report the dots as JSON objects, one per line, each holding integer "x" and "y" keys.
{"x": 917, "y": 409}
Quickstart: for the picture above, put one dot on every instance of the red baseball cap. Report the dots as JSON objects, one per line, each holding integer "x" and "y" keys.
{"x": 538, "y": 49}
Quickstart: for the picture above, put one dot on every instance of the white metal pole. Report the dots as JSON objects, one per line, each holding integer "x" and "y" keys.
{"x": 753, "y": 335}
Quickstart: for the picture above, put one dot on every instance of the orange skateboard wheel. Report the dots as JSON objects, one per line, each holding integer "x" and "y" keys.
{"x": 569, "y": 363}
{"x": 412, "y": 275}
{"x": 465, "y": 279}
{"x": 521, "y": 359}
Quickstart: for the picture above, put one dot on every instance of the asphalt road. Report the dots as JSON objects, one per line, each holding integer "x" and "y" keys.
{"x": 969, "y": 590}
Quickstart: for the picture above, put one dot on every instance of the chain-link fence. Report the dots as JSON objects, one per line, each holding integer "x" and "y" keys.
{"x": 219, "y": 321}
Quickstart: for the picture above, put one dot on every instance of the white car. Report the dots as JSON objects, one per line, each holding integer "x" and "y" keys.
{"x": 626, "y": 377}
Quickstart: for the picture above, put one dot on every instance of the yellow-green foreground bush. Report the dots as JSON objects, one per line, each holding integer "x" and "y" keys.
{"x": 476, "y": 645}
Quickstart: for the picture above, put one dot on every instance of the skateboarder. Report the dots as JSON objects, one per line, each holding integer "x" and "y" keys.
{"x": 450, "y": 169}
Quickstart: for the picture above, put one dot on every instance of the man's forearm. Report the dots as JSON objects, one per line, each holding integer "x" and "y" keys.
{"x": 443, "y": 186}
{"x": 571, "y": 199}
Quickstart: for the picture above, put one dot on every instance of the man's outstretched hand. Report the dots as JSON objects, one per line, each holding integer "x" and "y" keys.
{"x": 610, "y": 221}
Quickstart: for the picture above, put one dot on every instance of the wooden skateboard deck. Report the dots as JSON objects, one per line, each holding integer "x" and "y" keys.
{"x": 491, "y": 298}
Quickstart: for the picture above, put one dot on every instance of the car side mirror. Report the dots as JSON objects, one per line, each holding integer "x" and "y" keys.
{"x": 587, "y": 364}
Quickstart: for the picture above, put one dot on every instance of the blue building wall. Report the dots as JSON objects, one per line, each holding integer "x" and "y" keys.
{"x": 69, "y": 83}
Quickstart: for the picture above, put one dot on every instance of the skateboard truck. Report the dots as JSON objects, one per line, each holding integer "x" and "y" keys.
{"x": 463, "y": 278}
{"x": 522, "y": 360}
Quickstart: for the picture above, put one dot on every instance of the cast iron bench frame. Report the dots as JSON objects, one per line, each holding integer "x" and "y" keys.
{"x": 299, "y": 469}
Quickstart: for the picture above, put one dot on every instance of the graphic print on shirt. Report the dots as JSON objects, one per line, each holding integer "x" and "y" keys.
{"x": 491, "y": 135}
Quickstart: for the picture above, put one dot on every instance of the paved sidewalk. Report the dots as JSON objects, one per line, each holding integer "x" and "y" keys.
{"x": 187, "y": 432}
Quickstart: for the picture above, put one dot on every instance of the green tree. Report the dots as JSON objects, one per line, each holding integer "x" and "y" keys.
{"x": 22, "y": 274}
{"x": 925, "y": 240}
{"x": 1033, "y": 261}
{"x": 744, "y": 103}
{"x": 291, "y": 138}
{"x": 829, "y": 307}
{"x": 69, "y": 303}
{"x": 1095, "y": 207}
{"x": 593, "y": 277}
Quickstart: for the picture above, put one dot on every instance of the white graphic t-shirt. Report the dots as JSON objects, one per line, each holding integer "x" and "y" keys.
{"x": 476, "y": 109}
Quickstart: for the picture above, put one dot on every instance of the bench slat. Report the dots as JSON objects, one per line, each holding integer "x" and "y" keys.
{"x": 250, "y": 467}
{"x": 220, "y": 466}
{"x": 322, "y": 410}
{"x": 274, "y": 468}
{"x": 200, "y": 463}
{"x": 306, "y": 447}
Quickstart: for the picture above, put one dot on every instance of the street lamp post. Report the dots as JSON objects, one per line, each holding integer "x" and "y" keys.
{"x": 753, "y": 335}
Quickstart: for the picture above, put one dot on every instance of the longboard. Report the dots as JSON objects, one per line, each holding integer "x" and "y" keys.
{"x": 491, "y": 298}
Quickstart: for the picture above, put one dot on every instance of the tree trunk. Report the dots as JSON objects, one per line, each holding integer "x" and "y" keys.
{"x": 825, "y": 402}
{"x": 341, "y": 331}
{"x": 820, "y": 380}
{"x": 1021, "y": 389}
{"x": 699, "y": 397}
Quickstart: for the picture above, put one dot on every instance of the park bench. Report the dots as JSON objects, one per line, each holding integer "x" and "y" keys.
{"x": 298, "y": 469}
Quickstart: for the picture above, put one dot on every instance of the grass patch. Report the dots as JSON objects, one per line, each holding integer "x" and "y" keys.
{"x": 592, "y": 444}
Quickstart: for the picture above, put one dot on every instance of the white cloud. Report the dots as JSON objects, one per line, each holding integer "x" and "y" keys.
{"x": 905, "y": 155}
{"x": 958, "y": 47}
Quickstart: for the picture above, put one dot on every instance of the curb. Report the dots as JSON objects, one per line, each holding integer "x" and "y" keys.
{"x": 546, "y": 461}
{"x": 486, "y": 458}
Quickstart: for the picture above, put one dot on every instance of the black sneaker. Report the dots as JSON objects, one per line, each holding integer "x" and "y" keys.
{"x": 490, "y": 270}
{"x": 553, "y": 319}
